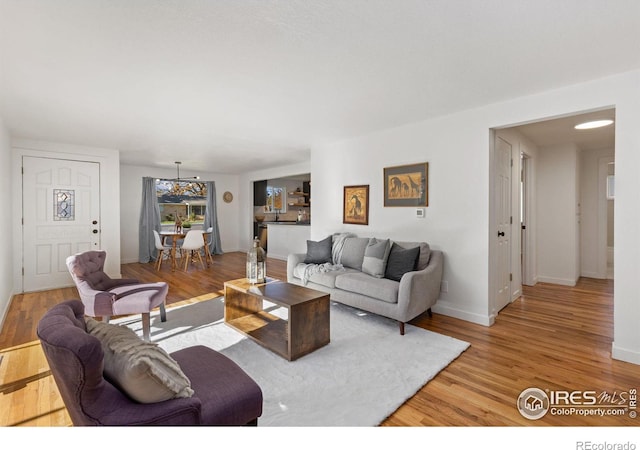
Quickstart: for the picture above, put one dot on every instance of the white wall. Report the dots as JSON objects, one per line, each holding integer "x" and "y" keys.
{"x": 457, "y": 148}
{"x": 6, "y": 230}
{"x": 131, "y": 200}
{"x": 593, "y": 207}
{"x": 557, "y": 172}
{"x": 109, "y": 196}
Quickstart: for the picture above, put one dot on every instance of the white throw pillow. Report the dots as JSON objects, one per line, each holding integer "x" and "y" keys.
{"x": 141, "y": 369}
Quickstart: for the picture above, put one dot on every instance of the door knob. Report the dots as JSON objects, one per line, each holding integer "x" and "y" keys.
{"x": 95, "y": 222}
{"x": 95, "y": 231}
{"x": 500, "y": 233}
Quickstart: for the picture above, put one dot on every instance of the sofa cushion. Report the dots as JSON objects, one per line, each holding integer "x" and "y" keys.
{"x": 375, "y": 258}
{"x": 361, "y": 283}
{"x": 353, "y": 252}
{"x": 324, "y": 278}
{"x": 425, "y": 252}
{"x": 401, "y": 261}
{"x": 319, "y": 252}
{"x": 141, "y": 369}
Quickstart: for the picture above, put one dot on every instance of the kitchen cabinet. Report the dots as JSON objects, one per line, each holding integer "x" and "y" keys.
{"x": 260, "y": 193}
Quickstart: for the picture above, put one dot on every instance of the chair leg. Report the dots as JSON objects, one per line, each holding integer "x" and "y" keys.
{"x": 200, "y": 258}
{"x": 207, "y": 254}
{"x": 401, "y": 328}
{"x": 146, "y": 326}
{"x": 159, "y": 261}
{"x": 163, "y": 312}
{"x": 186, "y": 260}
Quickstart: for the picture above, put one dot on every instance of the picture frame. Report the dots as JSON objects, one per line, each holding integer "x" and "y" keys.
{"x": 407, "y": 185}
{"x": 355, "y": 209}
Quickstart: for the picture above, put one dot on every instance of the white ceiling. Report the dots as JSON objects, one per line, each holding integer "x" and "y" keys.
{"x": 547, "y": 133}
{"x": 235, "y": 85}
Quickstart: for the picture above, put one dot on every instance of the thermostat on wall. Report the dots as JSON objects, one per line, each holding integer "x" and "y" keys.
{"x": 420, "y": 213}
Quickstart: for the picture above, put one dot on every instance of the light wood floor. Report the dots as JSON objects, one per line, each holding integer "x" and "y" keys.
{"x": 552, "y": 338}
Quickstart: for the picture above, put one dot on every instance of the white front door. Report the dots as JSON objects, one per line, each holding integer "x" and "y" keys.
{"x": 503, "y": 221}
{"x": 61, "y": 217}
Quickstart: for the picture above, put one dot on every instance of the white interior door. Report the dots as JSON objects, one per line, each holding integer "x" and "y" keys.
{"x": 503, "y": 220}
{"x": 61, "y": 217}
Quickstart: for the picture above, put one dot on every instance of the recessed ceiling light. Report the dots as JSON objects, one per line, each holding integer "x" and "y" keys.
{"x": 593, "y": 124}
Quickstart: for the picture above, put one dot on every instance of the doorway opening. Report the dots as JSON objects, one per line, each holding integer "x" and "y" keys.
{"x": 562, "y": 222}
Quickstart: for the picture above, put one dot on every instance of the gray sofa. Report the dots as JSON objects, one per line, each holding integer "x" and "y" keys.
{"x": 343, "y": 277}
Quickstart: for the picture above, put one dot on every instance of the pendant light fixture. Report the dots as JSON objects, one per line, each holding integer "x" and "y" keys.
{"x": 178, "y": 172}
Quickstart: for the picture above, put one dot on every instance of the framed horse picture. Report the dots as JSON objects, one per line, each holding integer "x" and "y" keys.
{"x": 355, "y": 208}
{"x": 406, "y": 185}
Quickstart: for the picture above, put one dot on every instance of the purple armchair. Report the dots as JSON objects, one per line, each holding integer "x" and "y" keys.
{"x": 223, "y": 393}
{"x": 104, "y": 297}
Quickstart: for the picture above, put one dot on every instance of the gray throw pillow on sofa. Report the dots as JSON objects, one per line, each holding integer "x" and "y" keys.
{"x": 375, "y": 257}
{"x": 353, "y": 252}
{"x": 401, "y": 261}
{"x": 319, "y": 252}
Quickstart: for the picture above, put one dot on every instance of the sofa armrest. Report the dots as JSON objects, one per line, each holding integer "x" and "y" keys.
{"x": 292, "y": 261}
{"x": 419, "y": 290}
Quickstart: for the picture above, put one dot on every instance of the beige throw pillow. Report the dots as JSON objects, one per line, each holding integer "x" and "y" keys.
{"x": 144, "y": 371}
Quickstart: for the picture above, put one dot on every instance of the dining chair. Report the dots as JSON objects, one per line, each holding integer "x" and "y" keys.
{"x": 192, "y": 244}
{"x": 162, "y": 248}
{"x": 207, "y": 245}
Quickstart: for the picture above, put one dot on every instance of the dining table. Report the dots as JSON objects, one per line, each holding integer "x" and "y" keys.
{"x": 176, "y": 236}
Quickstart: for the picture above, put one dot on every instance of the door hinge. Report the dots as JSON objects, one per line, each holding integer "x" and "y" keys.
{"x": 23, "y": 271}
{"x": 510, "y": 277}
{"x": 511, "y": 220}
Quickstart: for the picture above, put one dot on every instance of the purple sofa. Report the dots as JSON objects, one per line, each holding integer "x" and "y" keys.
{"x": 224, "y": 394}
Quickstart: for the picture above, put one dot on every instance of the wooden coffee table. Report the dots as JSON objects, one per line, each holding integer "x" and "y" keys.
{"x": 307, "y": 325}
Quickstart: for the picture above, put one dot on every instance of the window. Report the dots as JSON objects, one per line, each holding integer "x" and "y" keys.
{"x": 186, "y": 199}
{"x": 276, "y": 200}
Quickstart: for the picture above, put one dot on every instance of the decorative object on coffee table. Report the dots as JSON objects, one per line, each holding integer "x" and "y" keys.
{"x": 355, "y": 208}
{"x": 406, "y": 185}
{"x": 256, "y": 263}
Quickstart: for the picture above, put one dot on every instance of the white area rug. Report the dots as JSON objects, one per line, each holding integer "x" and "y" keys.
{"x": 359, "y": 379}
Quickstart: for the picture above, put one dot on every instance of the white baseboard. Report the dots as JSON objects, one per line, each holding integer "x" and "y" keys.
{"x": 274, "y": 256}
{"x": 445, "y": 310}
{"x": 625, "y": 354}
{"x": 128, "y": 261}
{"x": 595, "y": 275}
{"x": 561, "y": 281}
